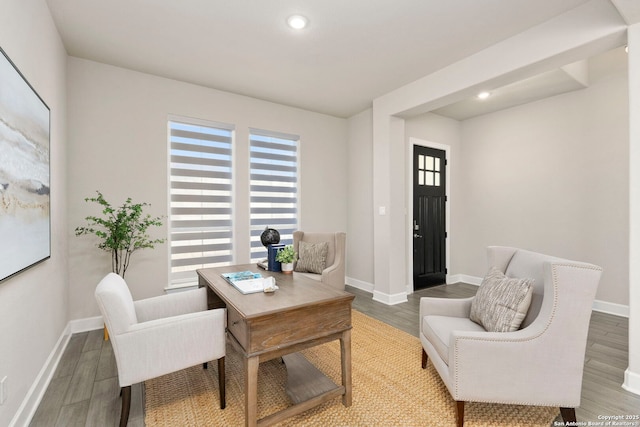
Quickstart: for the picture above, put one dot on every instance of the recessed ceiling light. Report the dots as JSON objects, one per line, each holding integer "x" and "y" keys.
{"x": 297, "y": 22}
{"x": 483, "y": 95}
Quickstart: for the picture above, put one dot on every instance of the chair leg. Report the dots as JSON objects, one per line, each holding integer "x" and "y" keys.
{"x": 125, "y": 392}
{"x": 568, "y": 415}
{"x": 205, "y": 365}
{"x": 460, "y": 406}
{"x": 221, "y": 383}
{"x": 424, "y": 359}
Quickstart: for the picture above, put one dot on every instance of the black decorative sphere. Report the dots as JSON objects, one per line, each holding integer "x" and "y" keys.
{"x": 270, "y": 236}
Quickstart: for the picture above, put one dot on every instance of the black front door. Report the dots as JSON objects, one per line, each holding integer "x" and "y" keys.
{"x": 429, "y": 206}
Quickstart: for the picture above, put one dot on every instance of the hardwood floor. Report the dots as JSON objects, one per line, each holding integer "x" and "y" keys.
{"x": 85, "y": 392}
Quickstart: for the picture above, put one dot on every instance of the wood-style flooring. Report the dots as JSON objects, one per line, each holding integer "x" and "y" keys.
{"x": 85, "y": 392}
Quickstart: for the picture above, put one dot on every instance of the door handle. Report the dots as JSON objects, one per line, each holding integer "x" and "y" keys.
{"x": 417, "y": 236}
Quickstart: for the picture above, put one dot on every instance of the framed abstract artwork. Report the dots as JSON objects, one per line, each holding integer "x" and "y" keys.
{"x": 25, "y": 225}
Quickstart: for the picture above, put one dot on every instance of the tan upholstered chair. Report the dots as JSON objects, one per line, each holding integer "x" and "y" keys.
{"x": 157, "y": 336}
{"x": 334, "y": 272}
{"x": 541, "y": 363}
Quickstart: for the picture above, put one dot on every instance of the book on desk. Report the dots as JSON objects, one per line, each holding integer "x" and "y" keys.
{"x": 270, "y": 264}
{"x": 247, "y": 282}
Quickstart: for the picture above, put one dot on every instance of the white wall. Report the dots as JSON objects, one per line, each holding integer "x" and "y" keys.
{"x": 579, "y": 33}
{"x": 632, "y": 374}
{"x": 360, "y": 202}
{"x": 553, "y": 176}
{"x": 361, "y": 210}
{"x": 550, "y": 176}
{"x": 118, "y": 145}
{"x": 33, "y": 304}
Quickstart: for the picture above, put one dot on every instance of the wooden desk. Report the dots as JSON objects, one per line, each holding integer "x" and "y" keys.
{"x": 303, "y": 313}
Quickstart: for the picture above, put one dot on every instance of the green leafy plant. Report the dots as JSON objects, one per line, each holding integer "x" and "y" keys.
{"x": 286, "y": 255}
{"x": 123, "y": 230}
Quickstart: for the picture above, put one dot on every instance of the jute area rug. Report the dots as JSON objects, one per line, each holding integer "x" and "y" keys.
{"x": 389, "y": 389}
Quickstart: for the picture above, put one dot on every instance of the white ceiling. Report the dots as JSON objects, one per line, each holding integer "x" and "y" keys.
{"x": 352, "y": 52}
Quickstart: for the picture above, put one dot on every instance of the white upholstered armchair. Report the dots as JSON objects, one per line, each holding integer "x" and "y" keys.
{"x": 160, "y": 335}
{"x": 539, "y": 363}
{"x": 333, "y": 271}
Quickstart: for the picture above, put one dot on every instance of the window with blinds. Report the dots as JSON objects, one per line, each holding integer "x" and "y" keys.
{"x": 274, "y": 187}
{"x": 201, "y": 218}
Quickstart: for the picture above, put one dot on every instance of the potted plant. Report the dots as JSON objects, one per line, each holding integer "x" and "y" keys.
{"x": 286, "y": 256}
{"x": 123, "y": 230}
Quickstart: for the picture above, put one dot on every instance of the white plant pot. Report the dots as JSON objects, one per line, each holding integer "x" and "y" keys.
{"x": 287, "y": 268}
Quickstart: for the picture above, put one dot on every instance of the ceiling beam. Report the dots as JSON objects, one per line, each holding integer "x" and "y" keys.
{"x": 629, "y": 10}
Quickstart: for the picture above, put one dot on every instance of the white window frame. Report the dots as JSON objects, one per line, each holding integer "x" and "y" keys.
{"x": 258, "y": 222}
{"x": 224, "y": 245}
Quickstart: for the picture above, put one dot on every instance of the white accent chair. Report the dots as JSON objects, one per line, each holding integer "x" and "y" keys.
{"x": 160, "y": 335}
{"x": 334, "y": 272}
{"x": 541, "y": 364}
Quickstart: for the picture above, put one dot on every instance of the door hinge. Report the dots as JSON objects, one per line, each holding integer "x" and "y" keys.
{"x": 446, "y": 234}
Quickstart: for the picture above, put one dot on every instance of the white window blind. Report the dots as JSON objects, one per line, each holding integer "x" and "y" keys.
{"x": 200, "y": 197}
{"x": 274, "y": 187}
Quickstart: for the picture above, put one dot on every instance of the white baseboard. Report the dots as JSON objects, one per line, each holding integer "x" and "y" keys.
{"x": 85, "y": 325}
{"x": 464, "y": 278}
{"x": 389, "y": 299}
{"x": 377, "y": 296}
{"x": 598, "y": 305}
{"x": 359, "y": 284}
{"x": 601, "y": 306}
{"x": 32, "y": 400}
{"x": 631, "y": 382}
{"x": 611, "y": 308}
{"x": 29, "y": 405}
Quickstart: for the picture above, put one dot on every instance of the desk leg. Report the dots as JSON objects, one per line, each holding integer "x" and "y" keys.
{"x": 251, "y": 391}
{"x": 345, "y": 351}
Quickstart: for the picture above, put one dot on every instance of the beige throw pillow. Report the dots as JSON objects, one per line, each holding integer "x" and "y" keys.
{"x": 312, "y": 257}
{"x": 501, "y": 303}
